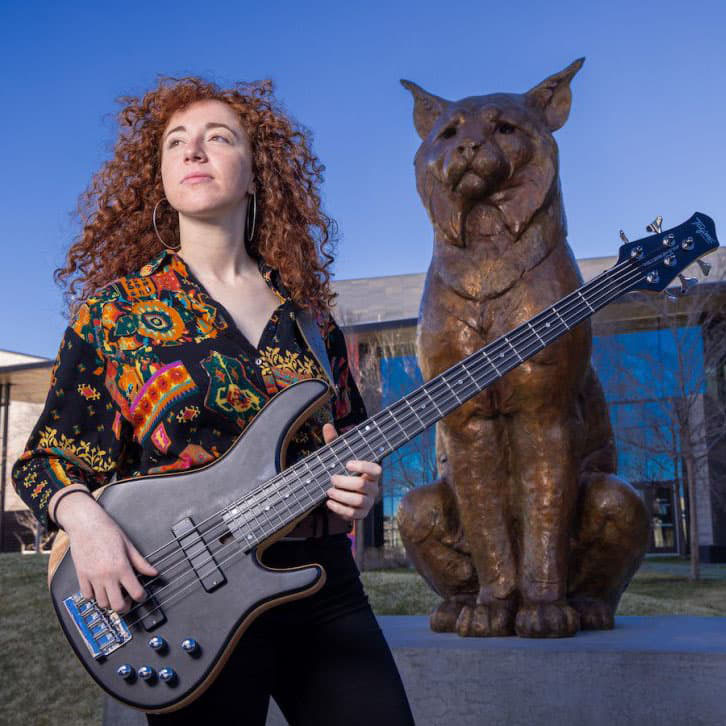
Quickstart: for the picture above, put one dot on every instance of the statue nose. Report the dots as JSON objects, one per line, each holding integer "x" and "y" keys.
{"x": 468, "y": 148}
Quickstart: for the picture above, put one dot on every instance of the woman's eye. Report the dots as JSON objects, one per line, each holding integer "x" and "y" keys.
{"x": 448, "y": 132}
{"x": 505, "y": 128}
{"x": 173, "y": 143}
{"x": 219, "y": 136}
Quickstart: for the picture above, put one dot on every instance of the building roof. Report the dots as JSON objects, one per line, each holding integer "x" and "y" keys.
{"x": 361, "y": 303}
{"x": 396, "y": 298}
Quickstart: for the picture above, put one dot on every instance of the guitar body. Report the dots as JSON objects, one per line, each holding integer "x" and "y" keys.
{"x": 147, "y": 508}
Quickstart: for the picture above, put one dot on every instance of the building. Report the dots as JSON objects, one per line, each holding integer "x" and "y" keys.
{"x": 653, "y": 358}
{"x": 651, "y": 354}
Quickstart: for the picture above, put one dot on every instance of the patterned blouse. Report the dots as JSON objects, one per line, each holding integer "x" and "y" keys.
{"x": 153, "y": 375}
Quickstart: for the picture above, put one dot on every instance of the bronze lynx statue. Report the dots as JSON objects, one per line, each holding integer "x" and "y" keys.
{"x": 528, "y": 530}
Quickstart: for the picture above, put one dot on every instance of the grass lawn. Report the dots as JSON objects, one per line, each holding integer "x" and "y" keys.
{"x": 39, "y": 672}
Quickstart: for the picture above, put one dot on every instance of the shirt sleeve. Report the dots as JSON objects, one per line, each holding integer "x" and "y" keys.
{"x": 80, "y": 435}
{"x": 348, "y": 407}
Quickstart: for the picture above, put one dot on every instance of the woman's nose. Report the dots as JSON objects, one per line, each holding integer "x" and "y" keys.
{"x": 194, "y": 150}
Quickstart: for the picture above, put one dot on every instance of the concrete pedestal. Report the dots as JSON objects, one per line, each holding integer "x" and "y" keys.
{"x": 648, "y": 670}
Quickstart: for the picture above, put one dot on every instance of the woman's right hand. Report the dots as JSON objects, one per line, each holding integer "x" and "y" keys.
{"x": 104, "y": 557}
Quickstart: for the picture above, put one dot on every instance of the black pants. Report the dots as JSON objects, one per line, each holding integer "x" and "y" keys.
{"x": 323, "y": 658}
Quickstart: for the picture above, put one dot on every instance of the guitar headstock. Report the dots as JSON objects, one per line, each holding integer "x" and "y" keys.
{"x": 663, "y": 255}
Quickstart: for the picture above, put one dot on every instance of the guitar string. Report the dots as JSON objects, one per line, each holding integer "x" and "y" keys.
{"x": 217, "y": 552}
{"x": 607, "y": 276}
{"x": 236, "y": 550}
{"x": 385, "y": 429}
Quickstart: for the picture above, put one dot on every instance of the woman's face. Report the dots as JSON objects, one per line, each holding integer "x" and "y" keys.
{"x": 206, "y": 160}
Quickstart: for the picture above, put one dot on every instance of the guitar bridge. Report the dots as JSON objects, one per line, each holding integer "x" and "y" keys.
{"x": 103, "y": 630}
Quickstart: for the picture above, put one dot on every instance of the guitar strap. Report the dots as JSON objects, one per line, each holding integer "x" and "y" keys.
{"x": 311, "y": 333}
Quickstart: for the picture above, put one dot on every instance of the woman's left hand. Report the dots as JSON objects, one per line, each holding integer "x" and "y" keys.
{"x": 352, "y": 497}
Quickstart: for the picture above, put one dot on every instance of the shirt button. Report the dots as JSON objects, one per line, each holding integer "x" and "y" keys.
{"x": 258, "y": 361}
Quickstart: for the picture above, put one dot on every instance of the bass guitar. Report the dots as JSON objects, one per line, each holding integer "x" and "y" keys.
{"x": 205, "y": 529}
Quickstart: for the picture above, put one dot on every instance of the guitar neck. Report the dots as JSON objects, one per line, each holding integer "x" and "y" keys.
{"x": 302, "y": 487}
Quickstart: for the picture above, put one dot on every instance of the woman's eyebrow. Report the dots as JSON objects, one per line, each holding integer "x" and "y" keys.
{"x": 207, "y": 126}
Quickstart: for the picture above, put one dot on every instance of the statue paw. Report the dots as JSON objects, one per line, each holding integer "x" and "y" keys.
{"x": 486, "y": 620}
{"x": 595, "y": 614}
{"x": 547, "y": 620}
{"x": 443, "y": 618}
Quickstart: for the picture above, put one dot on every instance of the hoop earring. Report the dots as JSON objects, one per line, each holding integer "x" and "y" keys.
{"x": 156, "y": 229}
{"x": 251, "y": 219}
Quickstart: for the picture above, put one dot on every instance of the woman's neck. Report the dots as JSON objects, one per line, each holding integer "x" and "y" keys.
{"x": 215, "y": 249}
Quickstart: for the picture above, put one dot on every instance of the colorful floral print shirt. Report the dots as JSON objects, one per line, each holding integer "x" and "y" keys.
{"x": 153, "y": 375}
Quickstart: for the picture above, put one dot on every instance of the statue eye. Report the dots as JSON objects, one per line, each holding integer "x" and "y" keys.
{"x": 447, "y": 133}
{"x": 505, "y": 128}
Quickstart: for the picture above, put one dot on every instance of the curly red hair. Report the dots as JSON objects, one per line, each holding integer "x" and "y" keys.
{"x": 292, "y": 233}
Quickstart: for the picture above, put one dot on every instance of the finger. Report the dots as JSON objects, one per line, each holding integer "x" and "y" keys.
{"x": 99, "y": 593}
{"x": 356, "y": 500}
{"x": 86, "y": 588}
{"x": 132, "y": 586}
{"x": 370, "y": 468}
{"x": 115, "y": 598}
{"x": 138, "y": 561}
{"x": 329, "y": 432}
{"x": 341, "y": 510}
{"x": 354, "y": 484}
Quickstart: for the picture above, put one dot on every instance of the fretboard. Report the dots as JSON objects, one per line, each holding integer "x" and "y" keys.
{"x": 302, "y": 487}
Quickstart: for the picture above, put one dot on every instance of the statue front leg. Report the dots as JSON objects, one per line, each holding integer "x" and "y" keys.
{"x": 478, "y": 472}
{"x": 546, "y": 474}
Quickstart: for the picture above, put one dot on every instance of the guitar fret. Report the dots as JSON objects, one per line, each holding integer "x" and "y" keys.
{"x": 274, "y": 501}
{"x": 395, "y": 420}
{"x": 267, "y": 507}
{"x": 259, "y": 524}
{"x": 531, "y": 327}
{"x": 330, "y": 468}
{"x": 294, "y": 489}
{"x": 350, "y": 448}
{"x": 384, "y": 436}
{"x": 284, "y": 496}
{"x": 584, "y": 299}
{"x": 458, "y": 400}
{"x": 414, "y": 413}
{"x": 507, "y": 341}
{"x": 251, "y": 526}
{"x": 554, "y": 310}
{"x": 367, "y": 428}
{"x": 468, "y": 373}
{"x": 441, "y": 413}
{"x": 311, "y": 477}
{"x": 491, "y": 362}
{"x": 239, "y": 521}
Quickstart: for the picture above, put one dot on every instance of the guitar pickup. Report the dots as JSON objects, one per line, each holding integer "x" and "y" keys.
{"x": 149, "y": 613}
{"x": 199, "y": 555}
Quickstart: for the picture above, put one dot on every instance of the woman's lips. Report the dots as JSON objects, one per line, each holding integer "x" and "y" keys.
{"x": 196, "y": 178}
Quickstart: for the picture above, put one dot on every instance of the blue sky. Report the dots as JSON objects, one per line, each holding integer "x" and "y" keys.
{"x": 646, "y": 135}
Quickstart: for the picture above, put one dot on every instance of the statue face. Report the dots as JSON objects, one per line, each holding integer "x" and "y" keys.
{"x": 495, "y": 150}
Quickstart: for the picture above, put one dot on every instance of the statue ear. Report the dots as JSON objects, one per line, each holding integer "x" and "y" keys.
{"x": 427, "y": 108}
{"x": 553, "y": 96}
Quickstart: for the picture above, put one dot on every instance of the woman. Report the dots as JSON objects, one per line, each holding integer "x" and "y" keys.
{"x": 202, "y": 239}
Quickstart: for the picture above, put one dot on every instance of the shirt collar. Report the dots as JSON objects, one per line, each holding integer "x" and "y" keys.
{"x": 168, "y": 258}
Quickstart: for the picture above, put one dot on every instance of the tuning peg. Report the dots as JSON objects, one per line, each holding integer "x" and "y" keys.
{"x": 655, "y": 226}
{"x": 687, "y": 283}
{"x": 624, "y": 237}
{"x": 705, "y": 267}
